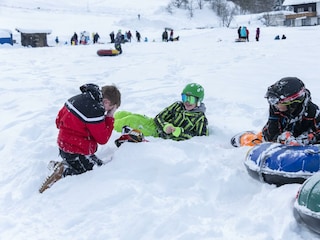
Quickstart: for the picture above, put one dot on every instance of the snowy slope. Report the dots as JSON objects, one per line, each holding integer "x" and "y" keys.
{"x": 196, "y": 189}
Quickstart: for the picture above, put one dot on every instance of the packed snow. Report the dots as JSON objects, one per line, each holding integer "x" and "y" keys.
{"x": 161, "y": 189}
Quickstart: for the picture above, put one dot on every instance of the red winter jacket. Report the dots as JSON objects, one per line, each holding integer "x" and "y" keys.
{"x": 82, "y": 125}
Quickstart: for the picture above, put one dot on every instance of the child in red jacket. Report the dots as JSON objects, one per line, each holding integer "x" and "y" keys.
{"x": 84, "y": 121}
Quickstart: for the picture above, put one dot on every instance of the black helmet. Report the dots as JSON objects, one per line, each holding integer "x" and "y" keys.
{"x": 286, "y": 91}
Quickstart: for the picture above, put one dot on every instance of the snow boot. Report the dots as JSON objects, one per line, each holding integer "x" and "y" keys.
{"x": 247, "y": 138}
{"x": 54, "y": 177}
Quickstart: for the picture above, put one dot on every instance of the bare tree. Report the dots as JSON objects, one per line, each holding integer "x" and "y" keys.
{"x": 169, "y": 8}
{"x": 190, "y": 8}
{"x": 228, "y": 15}
{"x": 200, "y": 4}
{"x": 180, "y": 3}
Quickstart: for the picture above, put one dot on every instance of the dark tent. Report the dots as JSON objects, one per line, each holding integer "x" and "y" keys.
{"x": 34, "y": 38}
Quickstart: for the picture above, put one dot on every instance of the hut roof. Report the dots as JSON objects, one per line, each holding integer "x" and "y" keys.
{"x": 22, "y": 30}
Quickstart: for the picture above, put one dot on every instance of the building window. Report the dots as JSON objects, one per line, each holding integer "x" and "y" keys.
{"x": 300, "y": 10}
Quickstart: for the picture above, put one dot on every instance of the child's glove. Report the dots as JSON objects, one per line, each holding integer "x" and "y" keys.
{"x": 288, "y": 139}
{"x": 177, "y": 131}
{"x": 170, "y": 129}
{"x": 307, "y": 138}
{"x": 312, "y": 138}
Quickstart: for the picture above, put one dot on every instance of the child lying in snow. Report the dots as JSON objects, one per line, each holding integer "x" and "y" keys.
{"x": 180, "y": 121}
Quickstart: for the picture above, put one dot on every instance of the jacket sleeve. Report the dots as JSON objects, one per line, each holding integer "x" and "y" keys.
{"x": 316, "y": 125}
{"x": 273, "y": 128}
{"x": 101, "y": 131}
{"x": 165, "y": 116}
{"x": 201, "y": 129}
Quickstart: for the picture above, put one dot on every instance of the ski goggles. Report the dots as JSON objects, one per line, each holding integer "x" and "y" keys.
{"x": 294, "y": 98}
{"x": 188, "y": 98}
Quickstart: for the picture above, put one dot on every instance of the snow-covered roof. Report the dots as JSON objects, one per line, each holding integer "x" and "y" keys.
{"x": 21, "y": 30}
{"x": 5, "y": 33}
{"x": 296, "y": 2}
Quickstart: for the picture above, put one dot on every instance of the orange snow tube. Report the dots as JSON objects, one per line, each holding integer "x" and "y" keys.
{"x": 107, "y": 52}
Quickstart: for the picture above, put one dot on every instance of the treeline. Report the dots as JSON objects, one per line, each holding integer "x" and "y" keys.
{"x": 258, "y": 6}
{"x": 243, "y": 6}
{"x": 226, "y": 10}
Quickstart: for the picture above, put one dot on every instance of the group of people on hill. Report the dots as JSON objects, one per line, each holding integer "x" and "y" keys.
{"x": 118, "y": 38}
{"x": 84, "y": 38}
{"x": 126, "y": 37}
{"x": 88, "y": 119}
{"x": 278, "y": 37}
{"x": 167, "y": 37}
{"x": 243, "y": 34}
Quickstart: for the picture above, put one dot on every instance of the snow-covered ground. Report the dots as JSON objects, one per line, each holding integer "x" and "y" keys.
{"x": 161, "y": 189}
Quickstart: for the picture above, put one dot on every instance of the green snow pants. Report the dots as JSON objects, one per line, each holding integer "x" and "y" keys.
{"x": 137, "y": 121}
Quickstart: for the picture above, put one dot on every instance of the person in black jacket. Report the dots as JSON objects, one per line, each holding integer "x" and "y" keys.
{"x": 293, "y": 118}
{"x": 118, "y": 41}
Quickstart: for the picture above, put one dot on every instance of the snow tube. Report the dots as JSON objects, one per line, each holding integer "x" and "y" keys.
{"x": 107, "y": 52}
{"x": 306, "y": 208}
{"x": 279, "y": 164}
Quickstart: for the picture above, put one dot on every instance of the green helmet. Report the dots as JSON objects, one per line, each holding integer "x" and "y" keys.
{"x": 194, "y": 89}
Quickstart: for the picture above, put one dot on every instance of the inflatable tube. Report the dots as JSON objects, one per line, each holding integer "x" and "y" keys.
{"x": 107, "y": 52}
{"x": 306, "y": 208}
{"x": 280, "y": 164}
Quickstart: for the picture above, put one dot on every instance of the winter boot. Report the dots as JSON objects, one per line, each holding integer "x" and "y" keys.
{"x": 54, "y": 177}
{"x": 247, "y": 138}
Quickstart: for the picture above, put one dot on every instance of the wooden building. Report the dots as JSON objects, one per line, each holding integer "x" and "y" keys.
{"x": 33, "y": 38}
{"x": 306, "y": 13}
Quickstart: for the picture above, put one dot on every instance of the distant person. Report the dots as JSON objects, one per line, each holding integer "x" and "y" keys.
{"x": 57, "y": 40}
{"x": 247, "y": 34}
{"x": 257, "y": 34}
{"x": 138, "y": 16}
{"x": 96, "y": 38}
{"x": 138, "y": 36}
{"x": 277, "y": 37}
{"x": 283, "y": 37}
{"x": 117, "y": 42}
{"x": 243, "y": 33}
{"x": 74, "y": 39}
{"x": 171, "y": 35}
{"x": 129, "y": 35}
{"x": 84, "y": 121}
{"x": 112, "y": 37}
{"x": 165, "y": 36}
{"x": 146, "y": 39}
{"x": 239, "y": 31}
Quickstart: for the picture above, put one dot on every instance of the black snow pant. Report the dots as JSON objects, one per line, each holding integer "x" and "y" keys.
{"x": 118, "y": 47}
{"x": 76, "y": 163}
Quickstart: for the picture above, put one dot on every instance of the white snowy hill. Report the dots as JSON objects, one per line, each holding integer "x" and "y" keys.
{"x": 161, "y": 189}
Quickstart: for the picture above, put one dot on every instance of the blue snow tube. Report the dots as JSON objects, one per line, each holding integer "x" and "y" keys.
{"x": 280, "y": 164}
